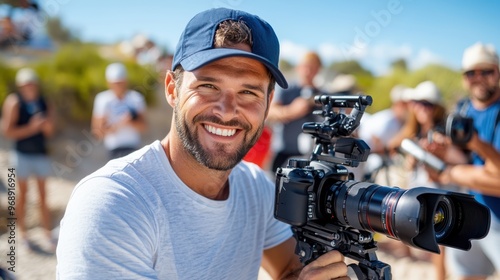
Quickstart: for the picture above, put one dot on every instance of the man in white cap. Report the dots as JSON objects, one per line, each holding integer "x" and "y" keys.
{"x": 482, "y": 176}
{"x": 118, "y": 115}
{"x": 27, "y": 120}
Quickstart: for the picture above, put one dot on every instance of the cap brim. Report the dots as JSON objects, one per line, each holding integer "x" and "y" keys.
{"x": 205, "y": 57}
{"x": 480, "y": 64}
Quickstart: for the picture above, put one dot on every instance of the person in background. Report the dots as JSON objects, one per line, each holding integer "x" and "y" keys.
{"x": 383, "y": 166}
{"x": 118, "y": 114}
{"x": 481, "y": 175}
{"x": 290, "y": 109}
{"x": 146, "y": 51}
{"x": 343, "y": 84}
{"x": 28, "y": 120}
{"x": 19, "y": 29}
{"x": 188, "y": 207}
{"x": 427, "y": 114}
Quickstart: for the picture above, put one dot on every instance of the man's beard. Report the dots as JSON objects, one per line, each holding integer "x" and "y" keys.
{"x": 220, "y": 159}
{"x": 487, "y": 94}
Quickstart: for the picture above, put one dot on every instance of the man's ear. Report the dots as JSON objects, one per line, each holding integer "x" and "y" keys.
{"x": 269, "y": 101}
{"x": 170, "y": 89}
{"x": 271, "y": 96}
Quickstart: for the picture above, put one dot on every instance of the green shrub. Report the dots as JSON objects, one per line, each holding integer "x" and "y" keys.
{"x": 446, "y": 79}
{"x": 7, "y": 76}
{"x": 75, "y": 74}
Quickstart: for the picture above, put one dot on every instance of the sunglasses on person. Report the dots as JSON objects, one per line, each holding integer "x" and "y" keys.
{"x": 425, "y": 103}
{"x": 481, "y": 72}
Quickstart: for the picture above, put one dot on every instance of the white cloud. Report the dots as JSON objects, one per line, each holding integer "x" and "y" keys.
{"x": 425, "y": 57}
{"x": 376, "y": 57}
{"x": 291, "y": 51}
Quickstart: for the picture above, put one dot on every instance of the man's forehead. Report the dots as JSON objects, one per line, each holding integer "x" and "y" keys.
{"x": 482, "y": 66}
{"x": 237, "y": 65}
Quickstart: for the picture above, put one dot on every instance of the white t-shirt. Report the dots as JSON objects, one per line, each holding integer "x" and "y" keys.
{"x": 135, "y": 219}
{"x": 383, "y": 125}
{"x": 109, "y": 106}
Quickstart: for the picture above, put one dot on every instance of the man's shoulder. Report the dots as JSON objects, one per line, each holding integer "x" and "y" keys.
{"x": 134, "y": 94}
{"x": 285, "y": 96}
{"x": 249, "y": 172}
{"x": 384, "y": 115}
{"x": 104, "y": 96}
{"x": 13, "y": 99}
{"x": 130, "y": 168}
{"x": 294, "y": 87}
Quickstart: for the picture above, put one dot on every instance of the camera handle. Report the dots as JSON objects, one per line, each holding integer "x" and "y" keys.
{"x": 315, "y": 240}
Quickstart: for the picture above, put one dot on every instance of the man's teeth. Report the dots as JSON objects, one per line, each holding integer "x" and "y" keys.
{"x": 219, "y": 131}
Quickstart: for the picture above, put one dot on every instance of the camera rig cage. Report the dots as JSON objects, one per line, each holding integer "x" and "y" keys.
{"x": 331, "y": 138}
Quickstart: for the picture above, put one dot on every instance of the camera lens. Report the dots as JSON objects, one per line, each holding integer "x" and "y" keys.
{"x": 410, "y": 215}
{"x": 363, "y": 206}
{"x": 443, "y": 218}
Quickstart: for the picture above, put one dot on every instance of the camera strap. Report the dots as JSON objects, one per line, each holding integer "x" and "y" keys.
{"x": 462, "y": 108}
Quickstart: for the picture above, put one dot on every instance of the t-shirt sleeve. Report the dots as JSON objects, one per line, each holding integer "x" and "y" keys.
{"x": 108, "y": 232}
{"x": 138, "y": 102}
{"x": 99, "y": 109}
{"x": 496, "y": 137}
{"x": 277, "y": 231}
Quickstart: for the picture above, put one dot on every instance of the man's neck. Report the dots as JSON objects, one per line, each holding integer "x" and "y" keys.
{"x": 120, "y": 94}
{"x": 481, "y": 105}
{"x": 212, "y": 184}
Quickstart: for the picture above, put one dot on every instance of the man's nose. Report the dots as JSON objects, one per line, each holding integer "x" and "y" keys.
{"x": 227, "y": 106}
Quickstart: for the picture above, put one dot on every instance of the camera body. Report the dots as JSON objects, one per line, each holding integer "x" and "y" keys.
{"x": 328, "y": 210}
{"x": 459, "y": 128}
{"x": 298, "y": 186}
{"x": 320, "y": 193}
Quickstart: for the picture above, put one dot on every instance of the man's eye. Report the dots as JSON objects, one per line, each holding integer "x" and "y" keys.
{"x": 254, "y": 93}
{"x": 208, "y": 86}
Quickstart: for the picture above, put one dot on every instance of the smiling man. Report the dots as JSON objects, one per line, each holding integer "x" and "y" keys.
{"x": 187, "y": 207}
{"x": 481, "y": 78}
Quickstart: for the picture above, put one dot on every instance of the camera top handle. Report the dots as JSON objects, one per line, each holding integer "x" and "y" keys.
{"x": 337, "y": 124}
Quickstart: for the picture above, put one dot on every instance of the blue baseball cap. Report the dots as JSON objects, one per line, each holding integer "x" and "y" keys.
{"x": 196, "y": 44}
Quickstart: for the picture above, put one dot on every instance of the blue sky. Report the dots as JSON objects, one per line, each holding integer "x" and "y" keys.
{"x": 374, "y": 32}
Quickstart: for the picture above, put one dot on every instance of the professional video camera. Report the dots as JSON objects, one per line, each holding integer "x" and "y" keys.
{"x": 328, "y": 210}
{"x": 458, "y": 128}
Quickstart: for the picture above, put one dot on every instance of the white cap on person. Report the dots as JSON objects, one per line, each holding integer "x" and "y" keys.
{"x": 479, "y": 54}
{"x": 26, "y": 76}
{"x": 427, "y": 91}
{"x": 139, "y": 41}
{"x": 400, "y": 93}
{"x": 343, "y": 83}
{"x": 116, "y": 72}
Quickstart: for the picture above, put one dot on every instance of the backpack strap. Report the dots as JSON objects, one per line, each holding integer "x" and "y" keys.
{"x": 463, "y": 106}
{"x": 497, "y": 120}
